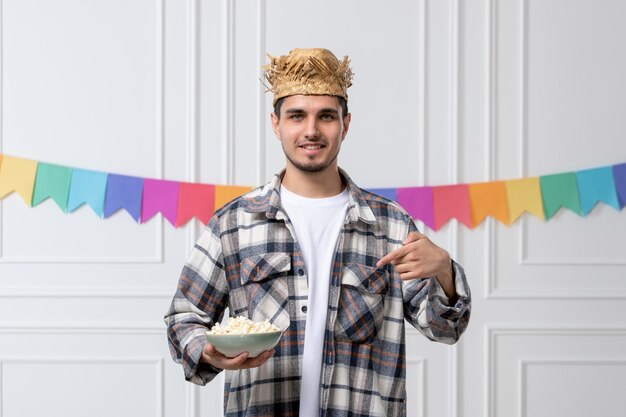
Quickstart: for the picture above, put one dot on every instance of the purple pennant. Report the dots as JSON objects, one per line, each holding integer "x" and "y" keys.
{"x": 619, "y": 174}
{"x": 418, "y": 202}
{"x": 389, "y": 193}
{"x": 159, "y": 196}
{"x": 123, "y": 192}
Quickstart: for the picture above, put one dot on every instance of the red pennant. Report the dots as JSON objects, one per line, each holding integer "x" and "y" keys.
{"x": 195, "y": 200}
{"x": 451, "y": 201}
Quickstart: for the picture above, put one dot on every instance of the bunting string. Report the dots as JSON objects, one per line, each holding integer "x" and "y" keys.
{"x": 179, "y": 202}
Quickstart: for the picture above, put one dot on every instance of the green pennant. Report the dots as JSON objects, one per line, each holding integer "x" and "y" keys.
{"x": 52, "y": 181}
{"x": 560, "y": 190}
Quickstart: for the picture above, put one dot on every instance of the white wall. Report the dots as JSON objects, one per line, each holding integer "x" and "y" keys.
{"x": 445, "y": 92}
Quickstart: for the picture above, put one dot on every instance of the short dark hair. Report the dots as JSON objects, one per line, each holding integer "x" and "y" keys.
{"x": 342, "y": 102}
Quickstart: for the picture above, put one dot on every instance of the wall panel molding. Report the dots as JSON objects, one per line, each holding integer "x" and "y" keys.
{"x": 524, "y": 257}
{"x": 525, "y": 363}
{"x": 492, "y": 290}
{"x": 144, "y": 328}
{"x": 261, "y": 108}
{"x": 228, "y": 96}
{"x": 492, "y": 332}
{"x": 156, "y": 362}
{"x": 86, "y": 292}
{"x": 454, "y": 74}
{"x": 157, "y": 257}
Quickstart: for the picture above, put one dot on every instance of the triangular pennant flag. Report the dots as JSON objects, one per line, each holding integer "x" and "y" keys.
{"x": 560, "y": 190}
{"x": 159, "y": 196}
{"x": 595, "y": 185}
{"x": 227, "y": 193}
{"x": 18, "y": 174}
{"x": 488, "y": 199}
{"x": 52, "y": 181}
{"x": 524, "y": 195}
{"x": 87, "y": 187}
{"x": 619, "y": 175}
{"x": 123, "y": 192}
{"x": 388, "y": 193}
{"x": 195, "y": 200}
{"x": 451, "y": 201}
{"x": 418, "y": 202}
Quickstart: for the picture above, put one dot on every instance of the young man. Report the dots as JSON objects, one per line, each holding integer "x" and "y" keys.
{"x": 336, "y": 266}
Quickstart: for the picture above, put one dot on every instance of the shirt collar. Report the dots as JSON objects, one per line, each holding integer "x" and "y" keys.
{"x": 268, "y": 200}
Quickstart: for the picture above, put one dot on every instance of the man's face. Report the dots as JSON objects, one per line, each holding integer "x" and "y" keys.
{"x": 311, "y": 129}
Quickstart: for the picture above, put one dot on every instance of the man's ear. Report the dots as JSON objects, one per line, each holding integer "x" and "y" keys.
{"x": 346, "y": 124}
{"x": 275, "y": 120}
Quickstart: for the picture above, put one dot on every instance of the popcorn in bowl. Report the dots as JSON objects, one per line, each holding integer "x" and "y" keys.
{"x": 243, "y": 335}
{"x": 243, "y": 325}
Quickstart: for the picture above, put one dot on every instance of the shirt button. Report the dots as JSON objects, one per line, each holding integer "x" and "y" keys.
{"x": 304, "y": 309}
{"x": 300, "y": 272}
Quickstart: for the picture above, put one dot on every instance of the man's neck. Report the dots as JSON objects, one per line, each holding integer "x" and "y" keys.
{"x": 323, "y": 184}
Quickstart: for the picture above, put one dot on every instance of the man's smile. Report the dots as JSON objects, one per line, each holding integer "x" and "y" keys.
{"x": 312, "y": 146}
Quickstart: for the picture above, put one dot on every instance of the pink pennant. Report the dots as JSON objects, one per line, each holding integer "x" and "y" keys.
{"x": 418, "y": 202}
{"x": 159, "y": 196}
{"x": 195, "y": 200}
{"x": 451, "y": 201}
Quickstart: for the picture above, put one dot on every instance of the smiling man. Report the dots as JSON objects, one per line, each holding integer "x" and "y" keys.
{"x": 339, "y": 268}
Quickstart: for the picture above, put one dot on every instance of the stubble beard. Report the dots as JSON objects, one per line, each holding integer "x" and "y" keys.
{"x": 311, "y": 167}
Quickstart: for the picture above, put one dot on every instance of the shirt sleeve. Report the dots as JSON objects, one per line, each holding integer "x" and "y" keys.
{"x": 428, "y": 309}
{"x": 199, "y": 302}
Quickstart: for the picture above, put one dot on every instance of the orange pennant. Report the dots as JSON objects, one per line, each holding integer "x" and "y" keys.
{"x": 488, "y": 199}
{"x": 18, "y": 174}
{"x": 524, "y": 195}
{"x": 195, "y": 200}
{"x": 226, "y": 193}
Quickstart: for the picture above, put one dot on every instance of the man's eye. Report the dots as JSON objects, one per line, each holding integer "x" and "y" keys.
{"x": 328, "y": 116}
{"x": 296, "y": 117}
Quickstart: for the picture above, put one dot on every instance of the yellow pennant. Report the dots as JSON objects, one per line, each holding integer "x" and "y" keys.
{"x": 226, "y": 193}
{"x": 488, "y": 199}
{"x": 18, "y": 174}
{"x": 524, "y": 195}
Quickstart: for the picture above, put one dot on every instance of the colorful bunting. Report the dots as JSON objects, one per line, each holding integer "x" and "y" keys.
{"x": 559, "y": 190}
{"x": 87, "y": 187}
{"x": 225, "y": 193}
{"x": 52, "y": 181}
{"x": 488, "y": 199}
{"x": 388, "y": 193}
{"x": 451, "y": 201}
{"x": 418, "y": 202}
{"x": 18, "y": 174}
{"x": 123, "y": 193}
{"x": 595, "y": 185}
{"x": 619, "y": 175}
{"x": 195, "y": 200}
{"x": 524, "y": 195}
{"x": 159, "y": 196}
{"x": 178, "y": 202}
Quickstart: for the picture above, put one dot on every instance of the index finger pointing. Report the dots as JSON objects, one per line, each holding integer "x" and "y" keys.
{"x": 393, "y": 255}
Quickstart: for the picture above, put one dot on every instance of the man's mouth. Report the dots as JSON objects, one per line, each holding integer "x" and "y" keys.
{"x": 312, "y": 147}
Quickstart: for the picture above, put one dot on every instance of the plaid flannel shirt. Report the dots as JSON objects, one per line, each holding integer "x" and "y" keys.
{"x": 248, "y": 260}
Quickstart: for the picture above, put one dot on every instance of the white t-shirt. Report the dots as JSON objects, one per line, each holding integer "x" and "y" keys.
{"x": 317, "y": 223}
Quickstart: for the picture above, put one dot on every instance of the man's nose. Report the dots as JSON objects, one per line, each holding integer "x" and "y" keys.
{"x": 312, "y": 132}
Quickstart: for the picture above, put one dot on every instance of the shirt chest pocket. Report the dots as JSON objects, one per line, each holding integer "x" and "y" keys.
{"x": 264, "y": 292}
{"x": 361, "y": 303}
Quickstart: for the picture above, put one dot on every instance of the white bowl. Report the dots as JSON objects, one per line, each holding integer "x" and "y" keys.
{"x": 232, "y": 345}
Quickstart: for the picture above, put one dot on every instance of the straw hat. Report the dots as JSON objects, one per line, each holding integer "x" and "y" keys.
{"x": 308, "y": 71}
